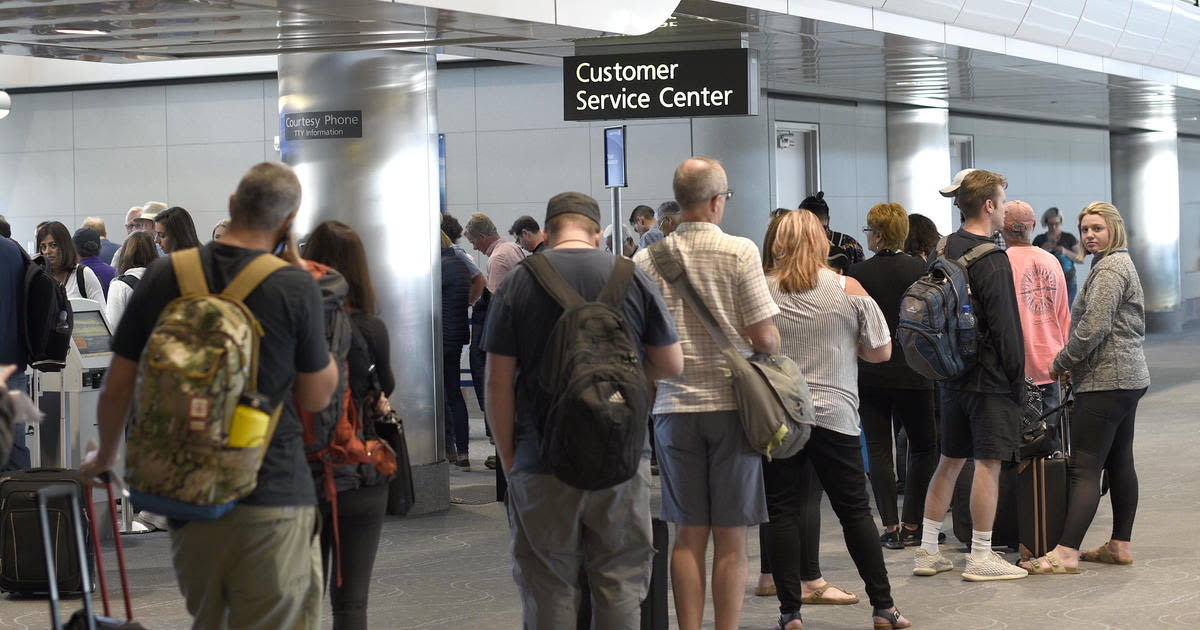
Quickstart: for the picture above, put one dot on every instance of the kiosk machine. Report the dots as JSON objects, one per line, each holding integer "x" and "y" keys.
{"x": 69, "y": 398}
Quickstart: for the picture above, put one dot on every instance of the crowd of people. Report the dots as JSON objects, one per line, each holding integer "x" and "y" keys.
{"x": 810, "y": 294}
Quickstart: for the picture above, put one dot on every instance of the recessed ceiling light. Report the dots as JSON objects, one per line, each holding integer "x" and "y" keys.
{"x": 80, "y": 31}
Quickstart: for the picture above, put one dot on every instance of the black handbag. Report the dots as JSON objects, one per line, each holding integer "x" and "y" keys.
{"x": 401, "y": 494}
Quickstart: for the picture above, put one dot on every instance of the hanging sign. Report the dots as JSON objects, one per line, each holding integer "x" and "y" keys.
{"x": 720, "y": 82}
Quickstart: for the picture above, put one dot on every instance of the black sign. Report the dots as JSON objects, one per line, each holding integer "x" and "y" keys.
{"x": 660, "y": 85}
{"x": 323, "y": 125}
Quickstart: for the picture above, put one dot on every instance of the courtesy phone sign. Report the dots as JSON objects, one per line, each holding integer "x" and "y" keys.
{"x": 660, "y": 85}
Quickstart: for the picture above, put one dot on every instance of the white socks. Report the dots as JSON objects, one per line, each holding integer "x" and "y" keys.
{"x": 981, "y": 544}
{"x": 929, "y": 535}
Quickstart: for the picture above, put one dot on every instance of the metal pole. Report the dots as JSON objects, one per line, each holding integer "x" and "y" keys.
{"x": 617, "y": 232}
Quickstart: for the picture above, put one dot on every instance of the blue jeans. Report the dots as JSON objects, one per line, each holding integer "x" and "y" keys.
{"x": 457, "y": 427}
{"x": 19, "y": 459}
{"x": 1051, "y": 396}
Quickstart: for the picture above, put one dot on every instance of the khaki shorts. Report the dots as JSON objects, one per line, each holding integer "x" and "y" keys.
{"x": 256, "y": 568}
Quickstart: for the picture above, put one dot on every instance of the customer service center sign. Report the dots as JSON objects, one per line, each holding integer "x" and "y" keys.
{"x": 660, "y": 85}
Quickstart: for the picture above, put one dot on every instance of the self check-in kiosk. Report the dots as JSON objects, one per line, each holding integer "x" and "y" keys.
{"x": 69, "y": 398}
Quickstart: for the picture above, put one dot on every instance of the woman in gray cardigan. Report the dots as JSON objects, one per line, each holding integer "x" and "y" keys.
{"x": 1104, "y": 359}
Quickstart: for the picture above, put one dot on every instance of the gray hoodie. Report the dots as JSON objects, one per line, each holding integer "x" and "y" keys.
{"x": 1108, "y": 325}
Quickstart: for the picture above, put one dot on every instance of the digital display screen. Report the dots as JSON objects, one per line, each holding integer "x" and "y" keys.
{"x": 614, "y": 157}
{"x": 91, "y": 334}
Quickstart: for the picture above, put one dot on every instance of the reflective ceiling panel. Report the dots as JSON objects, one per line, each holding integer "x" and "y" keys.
{"x": 796, "y": 55}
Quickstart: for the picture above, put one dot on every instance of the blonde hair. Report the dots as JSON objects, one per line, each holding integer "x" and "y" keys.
{"x": 801, "y": 250}
{"x": 1112, "y": 219}
{"x": 96, "y": 223}
{"x": 890, "y": 222}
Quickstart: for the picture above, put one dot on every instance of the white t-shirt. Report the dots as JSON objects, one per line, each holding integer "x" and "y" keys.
{"x": 92, "y": 289}
{"x": 118, "y": 297}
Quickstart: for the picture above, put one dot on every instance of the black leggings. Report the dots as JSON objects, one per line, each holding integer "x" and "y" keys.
{"x": 836, "y": 459}
{"x": 810, "y": 542}
{"x": 914, "y": 410}
{"x": 1102, "y": 439}
{"x": 360, "y": 523}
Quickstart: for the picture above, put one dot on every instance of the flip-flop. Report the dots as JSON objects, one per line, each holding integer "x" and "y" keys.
{"x": 818, "y": 597}
{"x": 1056, "y": 566}
{"x": 1102, "y": 555}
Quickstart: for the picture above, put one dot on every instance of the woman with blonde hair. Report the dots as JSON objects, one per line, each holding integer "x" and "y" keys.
{"x": 1105, "y": 363}
{"x": 825, "y": 322}
{"x": 891, "y": 394}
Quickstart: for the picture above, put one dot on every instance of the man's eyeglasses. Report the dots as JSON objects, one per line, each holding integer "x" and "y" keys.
{"x": 728, "y": 194}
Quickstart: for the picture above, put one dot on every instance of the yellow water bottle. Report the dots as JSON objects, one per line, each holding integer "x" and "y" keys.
{"x": 250, "y": 421}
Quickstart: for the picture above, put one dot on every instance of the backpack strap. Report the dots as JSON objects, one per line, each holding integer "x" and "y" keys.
{"x": 79, "y": 280}
{"x": 189, "y": 273}
{"x": 670, "y": 267}
{"x": 976, "y": 253}
{"x": 552, "y": 281}
{"x": 252, "y": 275}
{"x": 617, "y": 287}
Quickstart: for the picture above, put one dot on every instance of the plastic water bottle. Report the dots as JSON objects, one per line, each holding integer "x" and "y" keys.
{"x": 966, "y": 331}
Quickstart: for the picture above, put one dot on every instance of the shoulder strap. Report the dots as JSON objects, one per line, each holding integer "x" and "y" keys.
{"x": 976, "y": 253}
{"x": 614, "y": 291}
{"x": 552, "y": 281}
{"x": 941, "y": 245}
{"x": 251, "y": 275}
{"x": 189, "y": 273}
{"x": 669, "y": 265}
{"x": 79, "y": 280}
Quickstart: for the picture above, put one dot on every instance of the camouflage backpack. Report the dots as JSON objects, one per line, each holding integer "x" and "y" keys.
{"x": 201, "y": 357}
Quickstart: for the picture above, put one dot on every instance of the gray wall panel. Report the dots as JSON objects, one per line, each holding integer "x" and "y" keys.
{"x": 199, "y": 114}
{"x": 110, "y": 180}
{"x": 456, "y": 100}
{"x": 531, "y": 165}
{"x": 200, "y": 177}
{"x": 38, "y": 122}
{"x": 519, "y": 97}
{"x": 121, "y": 117}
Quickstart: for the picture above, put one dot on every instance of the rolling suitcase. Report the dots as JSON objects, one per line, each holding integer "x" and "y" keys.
{"x": 1005, "y": 531}
{"x": 1044, "y": 486}
{"x": 22, "y": 562}
{"x": 84, "y": 619}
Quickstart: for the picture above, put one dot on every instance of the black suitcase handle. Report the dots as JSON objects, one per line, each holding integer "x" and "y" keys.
{"x": 72, "y": 494}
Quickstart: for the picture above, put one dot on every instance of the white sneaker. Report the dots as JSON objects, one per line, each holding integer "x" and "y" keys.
{"x": 992, "y": 567}
{"x": 926, "y": 564}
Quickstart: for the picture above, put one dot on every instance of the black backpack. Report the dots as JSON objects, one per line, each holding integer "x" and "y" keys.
{"x": 129, "y": 279}
{"x": 46, "y": 318}
{"x": 591, "y": 384}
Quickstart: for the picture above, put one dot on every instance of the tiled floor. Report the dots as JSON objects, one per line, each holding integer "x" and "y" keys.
{"x": 452, "y": 570}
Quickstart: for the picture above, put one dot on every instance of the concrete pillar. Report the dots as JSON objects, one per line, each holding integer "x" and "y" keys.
{"x": 918, "y": 150}
{"x": 1145, "y": 185}
{"x": 384, "y": 184}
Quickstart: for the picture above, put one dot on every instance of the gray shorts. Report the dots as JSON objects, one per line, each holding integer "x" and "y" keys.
{"x": 710, "y": 474}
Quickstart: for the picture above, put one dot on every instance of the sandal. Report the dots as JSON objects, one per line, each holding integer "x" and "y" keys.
{"x": 1035, "y": 567}
{"x": 1102, "y": 555}
{"x": 765, "y": 591}
{"x": 788, "y": 618}
{"x": 892, "y": 620}
{"x": 818, "y": 597}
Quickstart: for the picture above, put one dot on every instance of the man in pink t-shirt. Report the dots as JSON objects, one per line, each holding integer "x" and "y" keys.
{"x": 1041, "y": 298}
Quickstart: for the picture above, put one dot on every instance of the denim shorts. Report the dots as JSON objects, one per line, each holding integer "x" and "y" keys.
{"x": 710, "y": 474}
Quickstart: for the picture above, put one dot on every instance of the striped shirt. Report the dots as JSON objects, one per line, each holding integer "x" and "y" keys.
{"x": 821, "y": 330}
{"x": 727, "y": 273}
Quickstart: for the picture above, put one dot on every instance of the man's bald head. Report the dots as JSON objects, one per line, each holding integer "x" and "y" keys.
{"x": 697, "y": 180}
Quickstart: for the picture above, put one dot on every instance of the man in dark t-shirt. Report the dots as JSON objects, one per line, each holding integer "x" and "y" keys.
{"x": 557, "y": 528}
{"x": 258, "y": 566}
{"x": 981, "y": 409}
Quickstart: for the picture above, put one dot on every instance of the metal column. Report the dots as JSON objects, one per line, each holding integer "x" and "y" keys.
{"x": 385, "y": 186}
{"x": 918, "y": 150}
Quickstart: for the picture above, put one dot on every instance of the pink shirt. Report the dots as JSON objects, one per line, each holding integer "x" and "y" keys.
{"x": 1042, "y": 303}
{"x": 502, "y": 257}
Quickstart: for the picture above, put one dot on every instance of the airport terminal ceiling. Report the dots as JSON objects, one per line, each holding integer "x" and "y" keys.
{"x": 796, "y": 55}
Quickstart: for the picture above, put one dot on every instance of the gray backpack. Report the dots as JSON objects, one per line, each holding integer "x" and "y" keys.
{"x": 937, "y": 324}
